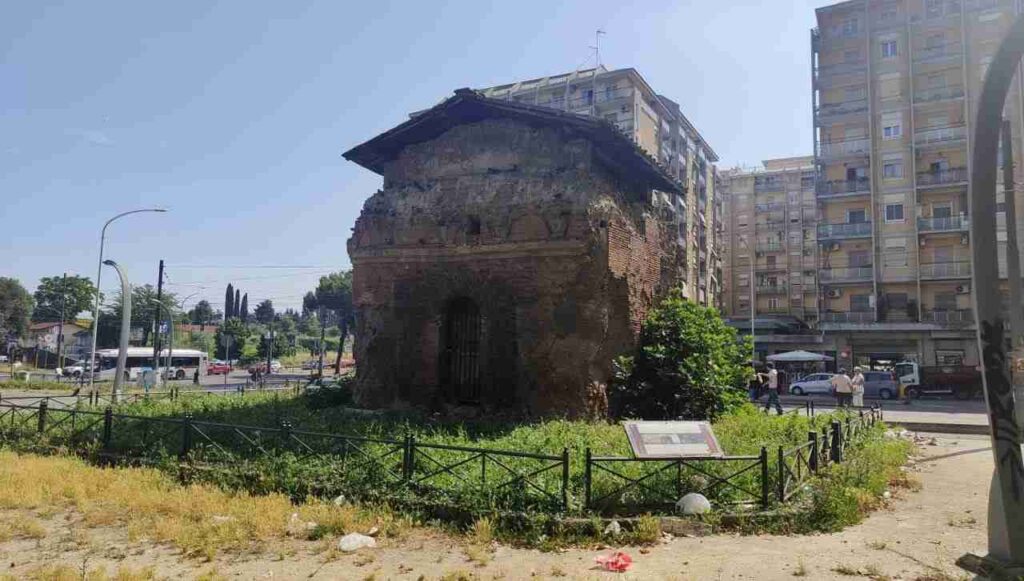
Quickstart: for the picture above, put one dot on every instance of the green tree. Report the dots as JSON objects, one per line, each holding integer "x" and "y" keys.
{"x": 229, "y": 302}
{"x": 237, "y": 304}
{"x": 202, "y": 314}
{"x": 309, "y": 305}
{"x": 243, "y": 311}
{"x": 282, "y": 346}
{"x": 238, "y": 333}
{"x": 689, "y": 365}
{"x": 264, "y": 312}
{"x": 15, "y": 307}
{"x": 144, "y": 309}
{"x": 334, "y": 293}
{"x": 76, "y": 292}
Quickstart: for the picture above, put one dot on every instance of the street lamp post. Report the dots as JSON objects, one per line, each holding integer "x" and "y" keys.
{"x": 96, "y": 307}
{"x": 126, "y": 325}
{"x": 1006, "y": 493}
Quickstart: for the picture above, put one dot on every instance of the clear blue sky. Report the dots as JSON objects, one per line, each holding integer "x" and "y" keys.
{"x": 234, "y": 115}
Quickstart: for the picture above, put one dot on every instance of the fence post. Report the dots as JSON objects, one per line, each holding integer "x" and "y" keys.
{"x": 765, "y": 487}
{"x": 410, "y": 468}
{"x": 586, "y": 480}
{"x": 837, "y": 442}
{"x": 43, "y": 405}
{"x": 565, "y": 479}
{"x": 782, "y": 476}
{"x": 807, "y": 408}
{"x": 186, "y": 436}
{"x": 812, "y": 462}
{"x": 813, "y": 412}
{"x": 108, "y": 427}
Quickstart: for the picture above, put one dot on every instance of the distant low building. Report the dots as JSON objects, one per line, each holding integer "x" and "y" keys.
{"x": 44, "y": 334}
{"x": 511, "y": 255}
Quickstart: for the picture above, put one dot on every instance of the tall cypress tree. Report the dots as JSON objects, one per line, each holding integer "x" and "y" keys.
{"x": 245, "y": 307}
{"x": 238, "y": 303}
{"x": 229, "y": 302}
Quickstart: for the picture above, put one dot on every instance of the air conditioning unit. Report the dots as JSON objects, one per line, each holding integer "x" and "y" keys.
{"x": 924, "y": 242}
{"x": 832, "y": 246}
{"x": 834, "y": 293}
{"x": 759, "y": 254}
{"x": 964, "y": 240}
{"x": 963, "y": 289}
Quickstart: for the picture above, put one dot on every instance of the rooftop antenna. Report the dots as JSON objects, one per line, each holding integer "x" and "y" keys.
{"x": 597, "y": 47}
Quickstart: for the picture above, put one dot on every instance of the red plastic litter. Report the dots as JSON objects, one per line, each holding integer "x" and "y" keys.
{"x": 617, "y": 561}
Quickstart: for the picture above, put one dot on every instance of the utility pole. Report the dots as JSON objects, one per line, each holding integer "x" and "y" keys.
{"x": 60, "y": 329}
{"x": 156, "y": 317}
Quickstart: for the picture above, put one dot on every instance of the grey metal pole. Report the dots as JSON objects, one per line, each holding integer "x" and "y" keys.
{"x": 1006, "y": 495}
{"x": 96, "y": 305}
{"x": 126, "y": 324}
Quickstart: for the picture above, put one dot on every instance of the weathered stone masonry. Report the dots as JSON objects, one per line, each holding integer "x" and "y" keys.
{"x": 510, "y": 256}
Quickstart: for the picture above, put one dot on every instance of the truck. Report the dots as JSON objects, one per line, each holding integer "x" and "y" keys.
{"x": 963, "y": 381}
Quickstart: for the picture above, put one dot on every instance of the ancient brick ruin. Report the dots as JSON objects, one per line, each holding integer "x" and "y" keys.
{"x": 511, "y": 255}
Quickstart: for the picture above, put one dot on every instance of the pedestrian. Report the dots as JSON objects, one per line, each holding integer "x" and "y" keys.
{"x": 857, "y": 388}
{"x": 772, "y": 379}
{"x": 842, "y": 388}
{"x": 195, "y": 377}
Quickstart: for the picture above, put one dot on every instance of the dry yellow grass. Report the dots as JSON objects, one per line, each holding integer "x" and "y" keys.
{"x": 200, "y": 520}
{"x": 68, "y": 573}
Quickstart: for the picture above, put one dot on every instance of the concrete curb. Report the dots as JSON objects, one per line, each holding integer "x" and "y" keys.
{"x": 941, "y": 428}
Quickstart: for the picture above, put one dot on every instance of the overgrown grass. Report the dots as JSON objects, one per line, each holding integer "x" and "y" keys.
{"x": 200, "y": 520}
{"x": 8, "y": 385}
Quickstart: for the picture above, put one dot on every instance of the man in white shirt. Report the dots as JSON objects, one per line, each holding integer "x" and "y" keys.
{"x": 773, "y": 389}
{"x": 842, "y": 387}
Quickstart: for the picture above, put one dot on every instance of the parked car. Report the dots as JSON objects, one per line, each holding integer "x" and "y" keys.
{"x": 275, "y": 367}
{"x": 813, "y": 383}
{"x": 218, "y": 368}
{"x": 881, "y": 384}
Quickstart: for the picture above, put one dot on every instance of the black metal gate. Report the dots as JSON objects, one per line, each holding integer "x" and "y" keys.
{"x": 461, "y": 356}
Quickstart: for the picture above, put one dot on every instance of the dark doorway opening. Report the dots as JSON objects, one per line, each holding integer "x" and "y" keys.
{"x": 460, "y": 364}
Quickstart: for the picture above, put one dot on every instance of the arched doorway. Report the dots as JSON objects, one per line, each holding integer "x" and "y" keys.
{"x": 460, "y": 354}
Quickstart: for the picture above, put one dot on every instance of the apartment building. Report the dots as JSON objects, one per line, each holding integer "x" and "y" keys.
{"x": 657, "y": 124}
{"x": 895, "y": 87}
{"x": 771, "y": 246}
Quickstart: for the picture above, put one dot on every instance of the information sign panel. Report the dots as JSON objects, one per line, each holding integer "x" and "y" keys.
{"x": 672, "y": 439}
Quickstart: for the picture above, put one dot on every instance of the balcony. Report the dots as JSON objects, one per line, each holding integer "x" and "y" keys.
{"x": 773, "y": 289}
{"x": 770, "y": 207}
{"x": 938, "y": 94}
{"x": 956, "y": 175}
{"x": 770, "y": 247}
{"x": 841, "y": 69}
{"x": 835, "y": 149}
{"x": 851, "y": 274}
{"x": 849, "y": 317}
{"x": 770, "y": 186}
{"x": 944, "y": 224}
{"x": 844, "y": 230}
{"x": 938, "y": 54}
{"x": 945, "y": 270}
{"x": 940, "y": 135}
{"x": 839, "y": 188}
{"x": 771, "y": 226}
{"x": 949, "y": 317}
{"x": 844, "y": 108}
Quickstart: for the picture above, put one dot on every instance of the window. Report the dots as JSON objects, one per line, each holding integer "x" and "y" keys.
{"x": 942, "y": 254}
{"x": 860, "y": 303}
{"x": 897, "y": 301}
{"x": 888, "y": 15}
{"x": 851, "y": 26}
{"x": 858, "y": 216}
{"x": 936, "y": 81}
{"x": 892, "y": 169}
{"x": 889, "y": 49}
{"x": 933, "y": 8}
{"x": 942, "y": 211}
{"x": 771, "y": 262}
{"x": 890, "y": 85}
{"x": 894, "y": 213}
{"x": 774, "y": 303}
{"x": 945, "y": 301}
{"x": 892, "y": 131}
{"x": 895, "y": 253}
{"x": 859, "y": 258}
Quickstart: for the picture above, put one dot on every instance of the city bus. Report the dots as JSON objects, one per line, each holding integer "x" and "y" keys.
{"x": 184, "y": 363}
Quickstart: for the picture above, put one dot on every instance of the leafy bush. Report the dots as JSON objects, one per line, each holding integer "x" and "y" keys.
{"x": 689, "y": 365}
{"x": 330, "y": 393}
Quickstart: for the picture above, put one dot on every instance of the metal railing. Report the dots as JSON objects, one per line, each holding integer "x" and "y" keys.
{"x": 849, "y": 274}
{"x": 947, "y": 176}
{"x": 950, "y": 317}
{"x": 769, "y": 247}
{"x": 770, "y": 226}
{"x": 935, "y": 54}
{"x": 938, "y": 94}
{"x": 770, "y": 207}
{"x": 844, "y": 230}
{"x": 844, "y": 108}
{"x": 846, "y": 147}
{"x": 940, "y": 135}
{"x": 768, "y": 289}
{"x": 849, "y": 317}
{"x": 944, "y": 224}
{"x": 843, "y": 187}
{"x": 939, "y": 270}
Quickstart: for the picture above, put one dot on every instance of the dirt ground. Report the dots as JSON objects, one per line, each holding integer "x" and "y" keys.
{"x": 918, "y": 535}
